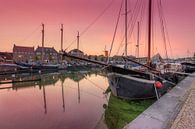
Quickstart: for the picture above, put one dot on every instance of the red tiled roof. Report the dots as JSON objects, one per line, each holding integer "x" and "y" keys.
{"x": 46, "y": 49}
{"x": 23, "y": 49}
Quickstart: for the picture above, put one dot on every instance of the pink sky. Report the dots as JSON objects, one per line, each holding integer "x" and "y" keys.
{"x": 20, "y": 23}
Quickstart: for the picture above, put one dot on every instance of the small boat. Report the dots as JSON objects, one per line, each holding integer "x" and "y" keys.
{"x": 28, "y": 65}
{"x": 18, "y": 81}
{"x": 188, "y": 67}
{"x": 49, "y": 66}
{"x": 35, "y": 66}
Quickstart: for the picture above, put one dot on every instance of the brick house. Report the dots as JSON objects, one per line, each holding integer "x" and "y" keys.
{"x": 50, "y": 55}
{"x": 23, "y": 54}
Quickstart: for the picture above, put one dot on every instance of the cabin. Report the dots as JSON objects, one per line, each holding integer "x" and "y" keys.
{"x": 75, "y": 52}
{"x": 119, "y": 59}
{"x": 92, "y": 57}
{"x": 50, "y": 55}
{"x": 23, "y": 54}
{"x": 102, "y": 58}
{"x": 142, "y": 60}
{"x": 157, "y": 58}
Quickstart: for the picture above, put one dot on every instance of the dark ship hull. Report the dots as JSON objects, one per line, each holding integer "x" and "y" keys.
{"x": 189, "y": 67}
{"x": 129, "y": 87}
{"x": 39, "y": 66}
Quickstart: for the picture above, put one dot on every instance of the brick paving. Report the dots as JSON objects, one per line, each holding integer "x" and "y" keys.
{"x": 186, "y": 117}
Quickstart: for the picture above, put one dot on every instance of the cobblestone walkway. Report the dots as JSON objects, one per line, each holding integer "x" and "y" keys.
{"x": 186, "y": 117}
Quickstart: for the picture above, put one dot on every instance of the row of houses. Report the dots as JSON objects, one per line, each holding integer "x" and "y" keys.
{"x": 50, "y": 55}
{"x": 30, "y": 54}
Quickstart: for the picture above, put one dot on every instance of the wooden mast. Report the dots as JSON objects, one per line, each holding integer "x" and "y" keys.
{"x": 138, "y": 33}
{"x": 149, "y": 32}
{"x": 62, "y": 32}
{"x": 78, "y": 40}
{"x": 44, "y": 100}
{"x": 79, "y": 96}
{"x": 126, "y": 18}
{"x": 43, "y": 34}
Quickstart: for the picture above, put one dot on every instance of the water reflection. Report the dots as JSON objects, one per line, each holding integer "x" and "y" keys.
{"x": 44, "y": 98}
{"x": 68, "y": 100}
{"x": 63, "y": 102}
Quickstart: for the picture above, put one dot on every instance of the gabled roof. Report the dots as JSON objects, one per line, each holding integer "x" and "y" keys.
{"x": 46, "y": 49}
{"x": 157, "y": 57}
{"x": 76, "y": 50}
{"x": 22, "y": 49}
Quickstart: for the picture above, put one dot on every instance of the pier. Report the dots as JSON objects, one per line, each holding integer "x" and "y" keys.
{"x": 174, "y": 110}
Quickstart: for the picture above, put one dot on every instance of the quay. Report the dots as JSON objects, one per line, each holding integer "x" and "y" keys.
{"x": 174, "y": 110}
{"x": 18, "y": 81}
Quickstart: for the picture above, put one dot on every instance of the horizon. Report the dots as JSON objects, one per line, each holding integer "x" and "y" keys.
{"x": 21, "y": 25}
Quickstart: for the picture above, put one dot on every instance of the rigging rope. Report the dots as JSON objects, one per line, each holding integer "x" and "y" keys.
{"x": 166, "y": 30}
{"x": 134, "y": 17}
{"x": 162, "y": 28}
{"x": 92, "y": 23}
{"x": 115, "y": 30}
{"x": 28, "y": 36}
{"x": 131, "y": 19}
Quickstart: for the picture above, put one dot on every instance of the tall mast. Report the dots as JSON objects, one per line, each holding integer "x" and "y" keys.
{"x": 78, "y": 40}
{"x": 43, "y": 32}
{"x": 138, "y": 29}
{"x": 62, "y": 31}
{"x": 149, "y": 31}
{"x": 126, "y": 18}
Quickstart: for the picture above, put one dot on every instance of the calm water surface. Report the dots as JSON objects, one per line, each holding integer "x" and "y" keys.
{"x": 58, "y": 101}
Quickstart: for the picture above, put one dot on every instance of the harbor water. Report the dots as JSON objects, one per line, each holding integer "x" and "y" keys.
{"x": 68, "y": 100}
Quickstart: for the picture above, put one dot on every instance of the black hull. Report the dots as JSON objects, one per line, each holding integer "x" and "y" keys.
{"x": 49, "y": 67}
{"x": 115, "y": 69}
{"x": 38, "y": 67}
{"x": 189, "y": 67}
{"x": 188, "y": 64}
{"x": 128, "y": 87}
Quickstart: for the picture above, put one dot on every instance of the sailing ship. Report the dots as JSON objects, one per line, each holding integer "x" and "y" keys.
{"x": 132, "y": 84}
{"x": 135, "y": 84}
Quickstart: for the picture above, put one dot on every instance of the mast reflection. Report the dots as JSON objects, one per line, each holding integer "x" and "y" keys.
{"x": 44, "y": 100}
{"x": 79, "y": 97}
{"x": 63, "y": 101}
{"x": 50, "y": 79}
